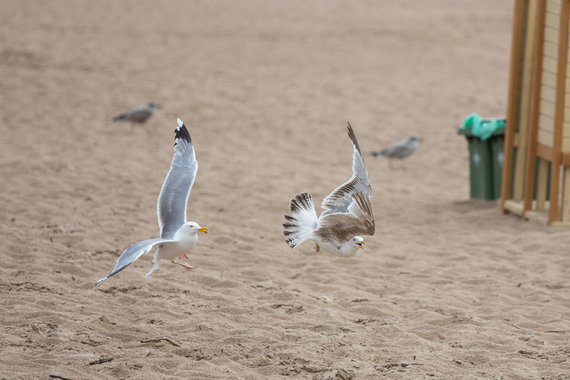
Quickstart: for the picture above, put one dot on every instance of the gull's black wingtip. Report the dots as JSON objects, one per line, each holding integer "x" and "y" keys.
{"x": 352, "y": 136}
{"x": 181, "y": 132}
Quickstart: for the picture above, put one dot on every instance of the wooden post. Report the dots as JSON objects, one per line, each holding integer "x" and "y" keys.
{"x": 512, "y": 105}
{"x": 530, "y": 61}
{"x": 559, "y": 115}
{"x": 535, "y": 109}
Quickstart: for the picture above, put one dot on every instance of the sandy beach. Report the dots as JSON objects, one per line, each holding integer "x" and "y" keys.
{"x": 447, "y": 288}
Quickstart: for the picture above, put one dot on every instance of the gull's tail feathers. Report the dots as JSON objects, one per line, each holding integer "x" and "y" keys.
{"x": 303, "y": 222}
{"x": 379, "y": 153}
{"x": 120, "y": 117}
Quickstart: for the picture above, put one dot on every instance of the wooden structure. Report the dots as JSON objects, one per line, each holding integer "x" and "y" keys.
{"x": 538, "y": 128}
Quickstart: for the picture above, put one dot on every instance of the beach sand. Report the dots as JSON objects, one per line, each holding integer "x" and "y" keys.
{"x": 448, "y": 288}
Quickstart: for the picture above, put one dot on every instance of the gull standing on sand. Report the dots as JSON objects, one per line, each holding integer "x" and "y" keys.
{"x": 177, "y": 236}
{"x": 400, "y": 150}
{"x": 138, "y": 115}
{"x": 347, "y": 212}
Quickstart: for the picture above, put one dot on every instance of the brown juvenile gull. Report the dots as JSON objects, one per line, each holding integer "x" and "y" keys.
{"x": 177, "y": 236}
{"x": 347, "y": 213}
{"x": 138, "y": 115}
{"x": 401, "y": 149}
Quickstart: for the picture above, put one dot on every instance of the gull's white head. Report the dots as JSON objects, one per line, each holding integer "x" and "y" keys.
{"x": 350, "y": 247}
{"x": 358, "y": 242}
{"x": 192, "y": 228}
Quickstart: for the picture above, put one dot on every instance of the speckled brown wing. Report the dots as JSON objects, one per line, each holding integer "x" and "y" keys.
{"x": 359, "y": 220}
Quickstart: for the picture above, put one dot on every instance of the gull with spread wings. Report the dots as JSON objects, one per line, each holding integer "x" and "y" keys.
{"x": 177, "y": 236}
{"x": 347, "y": 213}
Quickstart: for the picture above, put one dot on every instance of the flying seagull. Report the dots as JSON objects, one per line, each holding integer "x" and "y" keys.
{"x": 347, "y": 213}
{"x": 138, "y": 115}
{"x": 177, "y": 236}
{"x": 401, "y": 149}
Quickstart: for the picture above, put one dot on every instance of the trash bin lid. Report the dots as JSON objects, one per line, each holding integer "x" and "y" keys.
{"x": 475, "y": 126}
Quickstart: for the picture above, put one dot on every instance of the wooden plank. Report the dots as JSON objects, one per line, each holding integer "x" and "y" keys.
{"x": 553, "y": 6}
{"x": 547, "y": 108}
{"x": 567, "y": 98}
{"x": 566, "y": 145}
{"x": 559, "y": 117}
{"x": 517, "y": 140}
{"x": 545, "y": 137}
{"x": 551, "y": 35}
{"x": 542, "y": 185}
{"x": 546, "y": 122}
{"x": 525, "y": 100}
{"x": 549, "y": 64}
{"x": 547, "y": 93}
{"x": 535, "y": 107}
{"x": 537, "y": 216}
{"x": 565, "y": 159}
{"x": 551, "y": 21}
{"x": 518, "y": 38}
{"x": 515, "y": 207}
{"x": 550, "y": 49}
{"x": 549, "y": 79}
{"x": 544, "y": 152}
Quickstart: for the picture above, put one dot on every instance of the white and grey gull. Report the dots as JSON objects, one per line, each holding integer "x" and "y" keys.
{"x": 177, "y": 236}
{"x": 138, "y": 115}
{"x": 400, "y": 150}
{"x": 347, "y": 213}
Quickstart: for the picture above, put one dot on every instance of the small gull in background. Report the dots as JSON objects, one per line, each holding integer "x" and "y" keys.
{"x": 177, "y": 236}
{"x": 347, "y": 212}
{"x": 138, "y": 115}
{"x": 400, "y": 150}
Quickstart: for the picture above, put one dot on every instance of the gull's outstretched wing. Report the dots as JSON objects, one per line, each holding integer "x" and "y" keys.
{"x": 359, "y": 220}
{"x": 131, "y": 254}
{"x": 173, "y": 197}
{"x": 342, "y": 197}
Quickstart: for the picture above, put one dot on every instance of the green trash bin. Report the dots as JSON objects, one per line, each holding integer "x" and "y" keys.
{"x": 485, "y": 138}
{"x": 497, "y": 140}
{"x": 485, "y": 164}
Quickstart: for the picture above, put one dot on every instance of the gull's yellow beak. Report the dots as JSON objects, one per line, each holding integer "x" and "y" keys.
{"x": 361, "y": 245}
{"x": 203, "y": 229}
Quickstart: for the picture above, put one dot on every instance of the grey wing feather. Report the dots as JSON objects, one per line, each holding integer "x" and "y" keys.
{"x": 173, "y": 197}
{"x": 340, "y": 199}
{"x": 131, "y": 254}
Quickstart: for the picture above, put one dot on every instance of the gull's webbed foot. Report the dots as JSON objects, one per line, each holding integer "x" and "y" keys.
{"x": 186, "y": 266}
